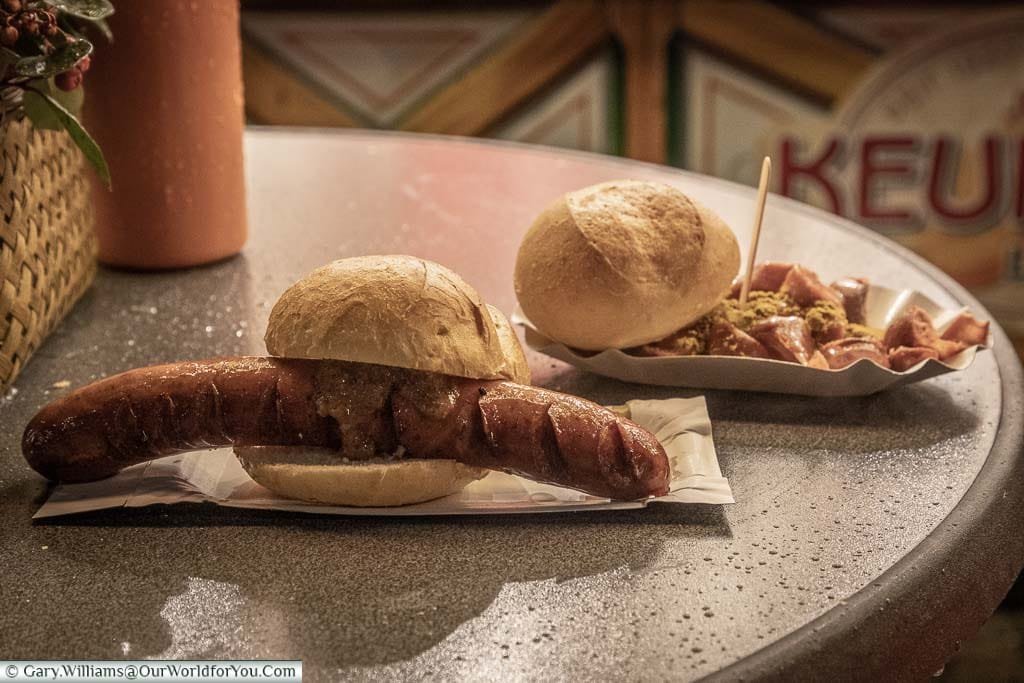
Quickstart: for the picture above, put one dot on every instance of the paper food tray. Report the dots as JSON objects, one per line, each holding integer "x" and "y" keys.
{"x": 681, "y": 425}
{"x": 883, "y": 305}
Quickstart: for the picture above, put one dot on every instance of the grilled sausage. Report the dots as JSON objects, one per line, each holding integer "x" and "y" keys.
{"x": 538, "y": 433}
{"x": 152, "y": 412}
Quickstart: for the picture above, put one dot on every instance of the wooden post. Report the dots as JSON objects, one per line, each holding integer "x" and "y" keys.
{"x": 644, "y": 30}
{"x": 274, "y": 95}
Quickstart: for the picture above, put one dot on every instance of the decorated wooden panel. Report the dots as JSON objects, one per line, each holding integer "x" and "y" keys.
{"x": 378, "y": 66}
{"x": 580, "y": 112}
{"x": 923, "y": 141}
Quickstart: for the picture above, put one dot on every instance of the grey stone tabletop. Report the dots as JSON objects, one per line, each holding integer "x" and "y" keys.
{"x": 869, "y": 534}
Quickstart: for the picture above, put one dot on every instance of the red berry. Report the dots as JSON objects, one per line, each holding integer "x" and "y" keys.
{"x": 8, "y": 36}
{"x": 12, "y": 5}
{"x": 84, "y": 64}
{"x": 69, "y": 80}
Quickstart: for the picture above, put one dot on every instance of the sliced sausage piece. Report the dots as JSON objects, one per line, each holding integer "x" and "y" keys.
{"x": 902, "y": 358}
{"x": 848, "y": 351}
{"x": 915, "y": 329}
{"x": 725, "y": 339}
{"x": 786, "y": 337}
{"x": 967, "y": 330}
{"x": 854, "y": 293}
{"x": 767, "y": 277}
{"x": 818, "y": 361}
{"x": 803, "y": 286}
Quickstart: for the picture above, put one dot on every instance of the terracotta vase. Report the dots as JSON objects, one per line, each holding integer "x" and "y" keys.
{"x": 164, "y": 101}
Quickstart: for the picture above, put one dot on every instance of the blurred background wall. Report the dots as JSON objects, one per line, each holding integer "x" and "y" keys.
{"x": 908, "y": 118}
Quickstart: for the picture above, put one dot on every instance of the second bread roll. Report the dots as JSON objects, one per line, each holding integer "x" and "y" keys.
{"x": 623, "y": 263}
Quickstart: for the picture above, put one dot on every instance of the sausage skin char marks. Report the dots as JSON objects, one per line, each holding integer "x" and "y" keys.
{"x": 541, "y": 434}
{"x": 148, "y": 413}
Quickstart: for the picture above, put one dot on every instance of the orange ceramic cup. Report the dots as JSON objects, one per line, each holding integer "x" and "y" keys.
{"x": 164, "y": 101}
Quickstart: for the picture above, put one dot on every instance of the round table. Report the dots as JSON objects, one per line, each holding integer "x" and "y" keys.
{"x": 869, "y": 535}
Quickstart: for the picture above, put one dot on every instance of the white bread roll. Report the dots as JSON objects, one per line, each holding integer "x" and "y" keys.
{"x": 398, "y": 311}
{"x": 318, "y": 475}
{"x": 518, "y": 368}
{"x": 623, "y": 263}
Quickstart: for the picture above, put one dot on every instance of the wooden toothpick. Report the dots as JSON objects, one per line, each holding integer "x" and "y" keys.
{"x": 755, "y": 237}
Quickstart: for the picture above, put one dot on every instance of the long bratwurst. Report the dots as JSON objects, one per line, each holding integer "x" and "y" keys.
{"x": 361, "y": 409}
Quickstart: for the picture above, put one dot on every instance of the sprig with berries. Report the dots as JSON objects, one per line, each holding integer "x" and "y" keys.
{"x": 44, "y": 55}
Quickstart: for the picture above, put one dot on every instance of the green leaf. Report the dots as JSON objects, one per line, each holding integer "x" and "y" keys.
{"x": 69, "y": 99}
{"x": 58, "y": 62}
{"x": 8, "y": 56}
{"x": 79, "y": 135}
{"x": 91, "y": 10}
{"x": 40, "y": 113}
{"x": 104, "y": 28}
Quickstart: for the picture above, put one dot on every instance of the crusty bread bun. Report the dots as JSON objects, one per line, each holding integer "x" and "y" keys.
{"x": 623, "y": 263}
{"x": 319, "y": 475}
{"x": 398, "y": 311}
{"x": 518, "y": 368}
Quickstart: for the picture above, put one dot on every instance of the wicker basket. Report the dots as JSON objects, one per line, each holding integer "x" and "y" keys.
{"x": 47, "y": 244}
